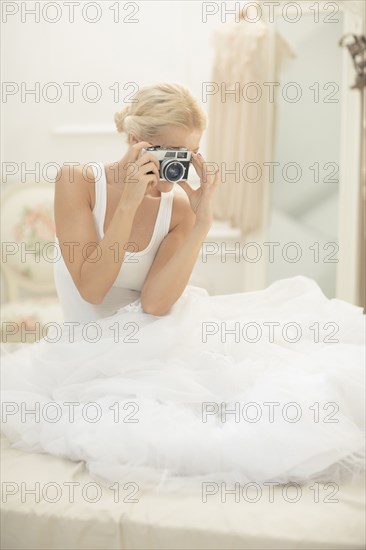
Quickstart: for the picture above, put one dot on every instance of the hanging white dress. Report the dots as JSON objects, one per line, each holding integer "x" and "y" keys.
{"x": 247, "y": 61}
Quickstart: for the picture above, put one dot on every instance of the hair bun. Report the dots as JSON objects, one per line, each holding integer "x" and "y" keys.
{"x": 120, "y": 117}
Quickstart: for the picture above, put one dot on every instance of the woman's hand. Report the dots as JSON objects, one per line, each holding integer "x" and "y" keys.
{"x": 137, "y": 171}
{"x": 201, "y": 199}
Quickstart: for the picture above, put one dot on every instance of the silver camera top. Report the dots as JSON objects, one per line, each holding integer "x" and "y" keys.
{"x": 174, "y": 162}
{"x": 162, "y": 152}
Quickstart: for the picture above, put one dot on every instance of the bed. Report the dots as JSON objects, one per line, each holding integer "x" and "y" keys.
{"x": 104, "y": 520}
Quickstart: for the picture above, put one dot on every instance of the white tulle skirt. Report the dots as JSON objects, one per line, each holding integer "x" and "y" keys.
{"x": 264, "y": 386}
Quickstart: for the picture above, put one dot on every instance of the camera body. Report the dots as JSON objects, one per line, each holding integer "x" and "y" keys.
{"x": 173, "y": 162}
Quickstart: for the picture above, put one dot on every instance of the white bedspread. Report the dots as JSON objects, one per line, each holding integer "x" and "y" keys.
{"x": 168, "y": 521}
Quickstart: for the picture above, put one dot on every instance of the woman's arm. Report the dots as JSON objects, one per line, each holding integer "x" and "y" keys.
{"x": 176, "y": 257}
{"x": 173, "y": 264}
{"x": 94, "y": 264}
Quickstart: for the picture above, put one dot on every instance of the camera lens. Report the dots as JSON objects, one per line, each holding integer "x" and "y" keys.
{"x": 173, "y": 171}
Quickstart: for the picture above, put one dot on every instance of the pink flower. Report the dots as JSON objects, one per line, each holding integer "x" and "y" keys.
{"x": 30, "y": 324}
{"x": 43, "y": 232}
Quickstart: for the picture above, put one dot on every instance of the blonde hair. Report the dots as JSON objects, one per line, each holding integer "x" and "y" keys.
{"x": 156, "y": 108}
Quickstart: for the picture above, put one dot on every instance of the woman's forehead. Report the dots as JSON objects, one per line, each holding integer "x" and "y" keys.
{"x": 179, "y": 137}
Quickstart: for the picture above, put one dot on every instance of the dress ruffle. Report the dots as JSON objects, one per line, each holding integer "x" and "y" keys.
{"x": 208, "y": 392}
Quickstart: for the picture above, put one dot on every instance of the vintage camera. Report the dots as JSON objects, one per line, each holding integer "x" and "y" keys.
{"x": 173, "y": 162}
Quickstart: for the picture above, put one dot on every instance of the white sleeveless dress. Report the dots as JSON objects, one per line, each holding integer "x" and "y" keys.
{"x": 264, "y": 387}
{"x": 128, "y": 284}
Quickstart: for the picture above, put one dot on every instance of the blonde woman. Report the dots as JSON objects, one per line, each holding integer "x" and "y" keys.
{"x": 160, "y": 383}
{"x": 148, "y": 235}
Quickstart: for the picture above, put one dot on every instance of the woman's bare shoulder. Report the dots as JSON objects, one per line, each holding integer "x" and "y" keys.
{"x": 76, "y": 180}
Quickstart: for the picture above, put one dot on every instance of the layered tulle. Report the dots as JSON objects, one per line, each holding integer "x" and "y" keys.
{"x": 264, "y": 386}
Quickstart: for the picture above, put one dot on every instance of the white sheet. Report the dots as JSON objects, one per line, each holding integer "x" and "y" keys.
{"x": 174, "y": 521}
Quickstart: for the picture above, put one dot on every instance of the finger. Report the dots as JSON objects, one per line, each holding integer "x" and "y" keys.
{"x": 217, "y": 177}
{"x": 206, "y": 166}
{"x": 150, "y": 167}
{"x": 146, "y": 157}
{"x": 197, "y": 166}
{"x": 196, "y": 159}
{"x": 204, "y": 179}
{"x": 210, "y": 170}
{"x": 199, "y": 158}
{"x": 136, "y": 148}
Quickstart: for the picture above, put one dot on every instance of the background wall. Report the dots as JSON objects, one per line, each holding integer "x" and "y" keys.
{"x": 153, "y": 42}
{"x": 305, "y": 197}
{"x": 127, "y": 53}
